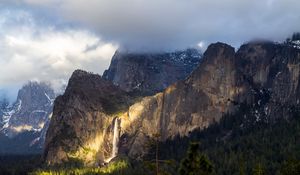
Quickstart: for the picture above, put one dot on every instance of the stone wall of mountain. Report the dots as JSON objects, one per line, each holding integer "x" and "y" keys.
{"x": 264, "y": 75}
{"x": 273, "y": 72}
{"x": 30, "y": 113}
{"x": 82, "y": 117}
{"x": 3, "y": 106}
{"x": 149, "y": 73}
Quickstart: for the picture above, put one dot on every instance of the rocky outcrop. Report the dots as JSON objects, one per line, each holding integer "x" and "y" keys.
{"x": 181, "y": 108}
{"x": 24, "y": 123}
{"x": 31, "y": 110}
{"x": 273, "y": 72}
{"x": 3, "y": 106}
{"x": 146, "y": 73}
{"x": 82, "y": 119}
{"x": 263, "y": 75}
{"x": 191, "y": 104}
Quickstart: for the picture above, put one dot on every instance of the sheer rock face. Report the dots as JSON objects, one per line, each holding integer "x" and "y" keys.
{"x": 3, "y": 108}
{"x": 82, "y": 117}
{"x": 273, "y": 72}
{"x": 265, "y": 75}
{"x": 31, "y": 110}
{"x": 151, "y": 73}
{"x": 187, "y": 105}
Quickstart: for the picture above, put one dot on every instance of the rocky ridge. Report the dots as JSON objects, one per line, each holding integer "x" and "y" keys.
{"x": 92, "y": 102}
{"x": 31, "y": 112}
{"x": 262, "y": 74}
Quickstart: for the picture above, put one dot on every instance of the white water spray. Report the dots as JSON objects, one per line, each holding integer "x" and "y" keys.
{"x": 115, "y": 143}
{"x": 116, "y": 138}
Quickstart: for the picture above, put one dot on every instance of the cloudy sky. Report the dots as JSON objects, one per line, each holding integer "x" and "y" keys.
{"x": 46, "y": 40}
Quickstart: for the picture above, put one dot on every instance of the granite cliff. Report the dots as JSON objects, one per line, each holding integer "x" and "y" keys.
{"x": 24, "y": 123}
{"x": 82, "y": 119}
{"x": 94, "y": 117}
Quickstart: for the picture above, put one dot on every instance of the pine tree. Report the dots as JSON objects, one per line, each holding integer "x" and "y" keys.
{"x": 242, "y": 168}
{"x": 157, "y": 165}
{"x": 259, "y": 170}
{"x": 195, "y": 163}
{"x": 290, "y": 167}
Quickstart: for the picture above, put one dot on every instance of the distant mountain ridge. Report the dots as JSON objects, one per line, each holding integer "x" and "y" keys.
{"x": 30, "y": 113}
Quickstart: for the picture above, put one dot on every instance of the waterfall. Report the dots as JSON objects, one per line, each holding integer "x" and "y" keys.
{"x": 115, "y": 141}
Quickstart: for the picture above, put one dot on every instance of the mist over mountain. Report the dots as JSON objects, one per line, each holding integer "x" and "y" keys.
{"x": 137, "y": 87}
{"x": 180, "y": 96}
{"x": 149, "y": 73}
{"x": 261, "y": 75}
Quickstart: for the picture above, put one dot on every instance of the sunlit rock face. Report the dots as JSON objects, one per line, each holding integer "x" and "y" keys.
{"x": 263, "y": 75}
{"x": 82, "y": 123}
{"x": 30, "y": 112}
{"x": 149, "y": 73}
{"x": 191, "y": 104}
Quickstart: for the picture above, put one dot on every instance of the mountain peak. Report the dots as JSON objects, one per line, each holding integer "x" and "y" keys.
{"x": 97, "y": 91}
{"x": 31, "y": 109}
{"x": 219, "y": 49}
{"x": 80, "y": 73}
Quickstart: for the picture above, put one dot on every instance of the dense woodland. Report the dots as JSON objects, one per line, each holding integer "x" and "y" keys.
{"x": 235, "y": 145}
{"x": 19, "y": 164}
{"x": 238, "y": 147}
{"x": 13, "y": 146}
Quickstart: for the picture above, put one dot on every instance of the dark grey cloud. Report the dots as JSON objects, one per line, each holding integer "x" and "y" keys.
{"x": 173, "y": 24}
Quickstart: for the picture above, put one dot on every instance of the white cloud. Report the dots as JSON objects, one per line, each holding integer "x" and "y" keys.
{"x": 29, "y": 51}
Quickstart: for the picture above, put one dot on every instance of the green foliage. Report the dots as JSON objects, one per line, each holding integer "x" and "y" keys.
{"x": 114, "y": 168}
{"x": 195, "y": 163}
{"x": 242, "y": 170}
{"x": 154, "y": 164}
{"x": 259, "y": 170}
{"x": 290, "y": 167}
{"x": 237, "y": 143}
{"x": 73, "y": 162}
{"x": 18, "y": 165}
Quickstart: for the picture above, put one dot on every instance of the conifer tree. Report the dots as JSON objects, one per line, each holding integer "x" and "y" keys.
{"x": 259, "y": 170}
{"x": 195, "y": 163}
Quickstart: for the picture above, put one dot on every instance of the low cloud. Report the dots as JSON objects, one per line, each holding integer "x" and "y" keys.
{"x": 46, "y": 40}
{"x": 176, "y": 24}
